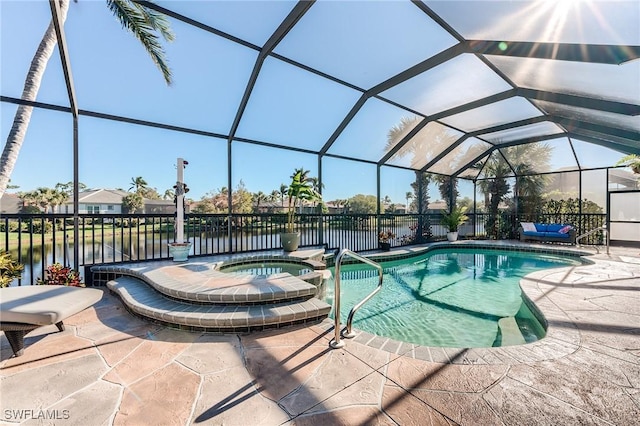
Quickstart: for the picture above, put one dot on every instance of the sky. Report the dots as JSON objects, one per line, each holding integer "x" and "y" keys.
{"x": 113, "y": 75}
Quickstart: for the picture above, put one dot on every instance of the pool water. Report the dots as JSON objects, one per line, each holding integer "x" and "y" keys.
{"x": 266, "y": 268}
{"x": 448, "y": 298}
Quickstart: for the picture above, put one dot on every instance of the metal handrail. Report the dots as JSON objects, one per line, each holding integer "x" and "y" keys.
{"x": 336, "y": 342}
{"x": 593, "y": 231}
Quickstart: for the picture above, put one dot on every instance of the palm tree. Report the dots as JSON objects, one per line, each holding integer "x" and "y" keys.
{"x": 273, "y": 197}
{"x": 386, "y": 201}
{"x": 67, "y": 188}
{"x": 447, "y": 185}
{"x": 138, "y": 184}
{"x": 300, "y": 190}
{"x": 408, "y": 196}
{"x": 58, "y": 198}
{"x": 29, "y": 198}
{"x": 138, "y": 19}
{"x": 284, "y": 189}
{"x": 529, "y": 186}
{"x": 259, "y": 197}
{"x": 495, "y": 189}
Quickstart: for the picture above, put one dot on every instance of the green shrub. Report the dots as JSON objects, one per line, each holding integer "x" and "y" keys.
{"x": 9, "y": 269}
{"x": 37, "y": 227}
{"x": 13, "y": 226}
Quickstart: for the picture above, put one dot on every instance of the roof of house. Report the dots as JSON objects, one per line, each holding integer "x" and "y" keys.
{"x": 112, "y": 196}
{"x": 100, "y": 196}
{"x": 10, "y": 203}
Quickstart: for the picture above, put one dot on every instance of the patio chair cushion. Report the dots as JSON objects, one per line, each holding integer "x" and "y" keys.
{"x": 44, "y": 304}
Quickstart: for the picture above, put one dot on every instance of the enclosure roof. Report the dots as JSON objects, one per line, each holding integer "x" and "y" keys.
{"x": 438, "y": 86}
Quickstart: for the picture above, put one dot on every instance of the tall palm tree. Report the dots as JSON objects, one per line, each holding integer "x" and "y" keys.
{"x": 448, "y": 186}
{"x": 259, "y": 198}
{"x": 58, "y": 198}
{"x": 529, "y": 186}
{"x": 67, "y": 188}
{"x": 386, "y": 200}
{"x": 408, "y": 196}
{"x": 495, "y": 190}
{"x": 273, "y": 197}
{"x": 29, "y": 198}
{"x": 139, "y": 20}
{"x": 139, "y": 184}
{"x": 284, "y": 189}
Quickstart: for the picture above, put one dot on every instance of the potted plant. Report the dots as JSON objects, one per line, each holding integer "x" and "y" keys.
{"x": 384, "y": 240}
{"x": 453, "y": 220}
{"x": 300, "y": 190}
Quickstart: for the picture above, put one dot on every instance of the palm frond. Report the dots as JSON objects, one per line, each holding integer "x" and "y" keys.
{"x": 157, "y": 21}
{"x": 143, "y": 26}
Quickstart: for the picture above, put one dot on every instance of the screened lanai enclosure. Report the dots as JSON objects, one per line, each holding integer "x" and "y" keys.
{"x": 398, "y": 110}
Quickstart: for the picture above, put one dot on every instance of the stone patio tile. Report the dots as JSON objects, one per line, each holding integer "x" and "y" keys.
{"x": 94, "y": 405}
{"x": 341, "y": 380}
{"x": 472, "y": 356}
{"x": 462, "y": 408}
{"x": 278, "y": 371}
{"x": 41, "y": 387}
{"x": 565, "y": 334}
{"x": 588, "y": 386}
{"x": 613, "y": 329}
{"x": 518, "y": 404}
{"x": 628, "y": 354}
{"x": 230, "y": 397}
{"x": 374, "y": 358}
{"x": 47, "y": 346}
{"x": 406, "y": 409}
{"x": 152, "y": 354}
{"x": 165, "y": 397}
{"x": 626, "y": 301}
{"x": 212, "y": 353}
{"x": 118, "y": 321}
{"x": 293, "y": 336}
{"x": 414, "y": 374}
{"x": 117, "y": 346}
{"x": 89, "y": 315}
{"x": 361, "y": 415}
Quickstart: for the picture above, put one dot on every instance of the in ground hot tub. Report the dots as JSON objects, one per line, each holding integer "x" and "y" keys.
{"x": 311, "y": 271}
{"x": 265, "y": 268}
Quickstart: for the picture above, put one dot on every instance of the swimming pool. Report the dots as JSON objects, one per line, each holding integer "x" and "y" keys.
{"x": 460, "y": 298}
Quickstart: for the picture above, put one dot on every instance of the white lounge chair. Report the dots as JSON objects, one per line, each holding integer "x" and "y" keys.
{"x": 25, "y": 308}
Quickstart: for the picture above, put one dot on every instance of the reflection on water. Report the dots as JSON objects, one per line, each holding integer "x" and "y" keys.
{"x": 122, "y": 248}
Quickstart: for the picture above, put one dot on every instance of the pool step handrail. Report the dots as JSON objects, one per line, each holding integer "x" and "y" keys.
{"x": 593, "y": 231}
{"x": 347, "y": 333}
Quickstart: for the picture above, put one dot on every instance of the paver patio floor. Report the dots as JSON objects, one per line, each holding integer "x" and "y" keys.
{"x": 110, "y": 367}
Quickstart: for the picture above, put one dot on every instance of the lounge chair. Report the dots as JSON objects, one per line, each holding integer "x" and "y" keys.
{"x": 25, "y": 308}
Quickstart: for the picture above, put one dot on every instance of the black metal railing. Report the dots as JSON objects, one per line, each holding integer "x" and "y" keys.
{"x": 38, "y": 240}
